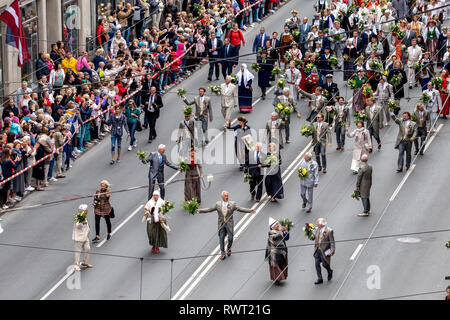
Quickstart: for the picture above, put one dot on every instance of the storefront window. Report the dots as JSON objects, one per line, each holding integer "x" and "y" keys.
{"x": 71, "y": 25}
{"x": 30, "y": 25}
{"x": 1, "y": 67}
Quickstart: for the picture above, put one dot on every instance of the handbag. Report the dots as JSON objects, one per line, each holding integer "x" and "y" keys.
{"x": 138, "y": 126}
{"x": 111, "y": 214}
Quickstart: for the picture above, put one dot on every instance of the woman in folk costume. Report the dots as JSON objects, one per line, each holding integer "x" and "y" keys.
{"x": 312, "y": 81}
{"x": 372, "y": 74}
{"x": 306, "y": 60}
{"x": 273, "y": 181}
{"x": 321, "y": 5}
{"x": 157, "y": 227}
{"x": 384, "y": 92}
{"x": 427, "y": 72}
{"x": 241, "y": 129}
{"x": 444, "y": 90}
{"x": 245, "y": 90}
{"x": 295, "y": 52}
{"x": 417, "y": 25}
{"x": 285, "y": 41}
{"x": 362, "y": 145}
{"x": 431, "y": 35}
{"x": 350, "y": 55}
{"x": 295, "y": 18}
{"x": 192, "y": 187}
{"x": 358, "y": 98}
{"x": 312, "y": 35}
{"x": 277, "y": 251}
{"x": 397, "y": 45}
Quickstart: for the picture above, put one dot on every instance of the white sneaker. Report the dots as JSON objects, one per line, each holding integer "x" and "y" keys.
{"x": 30, "y": 188}
{"x": 130, "y": 148}
{"x": 134, "y": 145}
{"x": 53, "y": 179}
{"x": 17, "y": 198}
{"x": 5, "y": 207}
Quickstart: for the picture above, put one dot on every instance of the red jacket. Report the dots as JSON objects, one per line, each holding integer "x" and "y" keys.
{"x": 236, "y": 37}
{"x": 176, "y": 65}
{"x": 101, "y": 35}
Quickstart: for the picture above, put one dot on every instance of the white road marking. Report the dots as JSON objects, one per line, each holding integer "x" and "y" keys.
{"x": 122, "y": 224}
{"x": 356, "y": 251}
{"x": 411, "y": 169}
{"x": 432, "y": 137}
{"x": 49, "y": 292}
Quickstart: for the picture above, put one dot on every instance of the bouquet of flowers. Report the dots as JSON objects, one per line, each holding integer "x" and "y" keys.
{"x": 197, "y": 7}
{"x": 346, "y": 57}
{"x": 181, "y": 92}
{"x": 361, "y": 57}
{"x": 360, "y": 116}
{"x": 350, "y": 9}
{"x": 418, "y": 65}
{"x": 296, "y": 33}
{"x": 288, "y": 56}
{"x": 367, "y": 90}
{"x": 351, "y": 83}
{"x": 287, "y": 223}
{"x": 215, "y": 89}
{"x": 326, "y": 94}
{"x": 333, "y": 61}
{"x": 307, "y": 130}
{"x": 141, "y": 155}
{"x": 247, "y": 177}
{"x": 256, "y": 67}
{"x": 80, "y": 216}
{"x": 167, "y": 206}
{"x": 437, "y": 81}
{"x": 414, "y": 118}
{"x": 276, "y": 71}
{"x": 309, "y": 230}
{"x": 331, "y": 112}
{"x": 298, "y": 62}
{"x": 191, "y": 206}
{"x": 184, "y": 167}
{"x": 396, "y": 80}
{"x": 187, "y": 110}
{"x": 400, "y": 34}
{"x": 392, "y": 104}
{"x": 281, "y": 83}
{"x": 308, "y": 68}
{"x": 326, "y": 31}
{"x": 425, "y": 98}
{"x": 271, "y": 160}
{"x": 337, "y": 37}
{"x": 233, "y": 78}
{"x": 447, "y": 244}
{"x": 303, "y": 173}
{"x": 356, "y": 195}
{"x": 395, "y": 28}
{"x": 375, "y": 65}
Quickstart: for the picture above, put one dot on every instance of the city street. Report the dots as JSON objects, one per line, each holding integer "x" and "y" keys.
{"x": 402, "y": 239}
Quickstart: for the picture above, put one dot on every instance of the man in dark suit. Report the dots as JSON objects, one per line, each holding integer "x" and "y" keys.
{"x": 409, "y": 35}
{"x": 366, "y": 36}
{"x": 275, "y": 44}
{"x": 304, "y": 29}
{"x": 152, "y": 106}
{"x": 214, "y": 47}
{"x": 364, "y": 184}
{"x": 357, "y": 43}
{"x": 227, "y": 55}
{"x": 324, "y": 41}
{"x": 324, "y": 63}
{"x": 260, "y": 40}
{"x": 157, "y": 160}
{"x": 255, "y": 163}
{"x": 332, "y": 89}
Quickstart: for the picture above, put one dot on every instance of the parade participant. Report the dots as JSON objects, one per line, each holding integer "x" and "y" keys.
{"x": 321, "y": 135}
{"x": 260, "y": 40}
{"x": 374, "y": 120}
{"x": 375, "y": 46}
{"x": 156, "y": 223}
{"x": 273, "y": 181}
{"x": 186, "y": 139}
{"x": 286, "y": 39}
{"x": 274, "y": 129}
{"x": 398, "y": 71}
{"x": 364, "y": 184}
{"x": 241, "y": 150}
{"x": 423, "y": 127}
{"x": 324, "y": 248}
{"x": 341, "y": 121}
{"x": 358, "y": 97}
{"x": 264, "y": 73}
{"x": 152, "y": 112}
{"x": 444, "y": 94}
{"x": 157, "y": 161}
{"x": 338, "y": 38}
{"x": 431, "y": 34}
{"x": 132, "y": 114}
{"x": 229, "y": 99}
{"x": 203, "y": 110}
{"x": 102, "y": 208}
{"x": 384, "y": 93}
{"x": 332, "y": 89}
{"x": 214, "y": 47}
{"x": 192, "y": 177}
{"x": 426, "y": 73}
{"x": 414, "y": 53}
{"x": 288, "y": 101}
{"x": 373, "y": 75}
{"x": 324, "y": 63}
{"x": 310, "y": 182}
{"x": 317, "y": 101}
{"x": 245, "y": 90}
{"x": 253, "y": 168}
{"x": 362, "y": 145}
{"x": 225, "y": 210}
{"x": 407, "y": 133}
{"x": 117, "y": 122}
{"x": 277, "y": 251}
{"x": 435, "y": 104}
{"x": 80, "y": 236}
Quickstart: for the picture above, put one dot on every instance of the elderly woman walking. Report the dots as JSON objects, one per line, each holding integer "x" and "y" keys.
{"x": 245, "y": 90}
{"x": 102, "y": 208}
{"x": 362, "y": 146}
{"x": 157, "y": 227}
{"x": 277, "y": 252}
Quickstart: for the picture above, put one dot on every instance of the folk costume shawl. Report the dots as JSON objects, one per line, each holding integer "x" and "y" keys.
{"x": 247, "y": 75}
{"x": 156, "y": 206}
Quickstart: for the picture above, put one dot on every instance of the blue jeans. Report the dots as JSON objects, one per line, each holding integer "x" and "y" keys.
{"x": 126, "y": 34}
{"x": 255, "y": 13}
{"x": 82, "y": 134}
{"x": 261, "y": 9}
{"x": 115, "y": 138}
{"x": 132, "y": 128}
{"x": 50, "y": 169}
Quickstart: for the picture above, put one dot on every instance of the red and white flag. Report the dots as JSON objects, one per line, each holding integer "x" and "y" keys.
{"x": 12, "y": 17}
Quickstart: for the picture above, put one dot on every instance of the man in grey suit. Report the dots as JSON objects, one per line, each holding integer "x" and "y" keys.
{"x": 304, "y": 29}
{"x": 309, "y": 183}
{"x": 202, "y": 111}
{"x": 423, "y": 120}
{"x": 324, "y": 249}
{"x": 225, "y": 210}
{"x": 374, "y": 120}
{"x": 157, "y": 160}
{"x": 287, "y": 99}
{"x": 407, "y": 133}
{"x": 321, "y": 135}
{"x": 364, "y": 184}
{"x": 274, "y": 129}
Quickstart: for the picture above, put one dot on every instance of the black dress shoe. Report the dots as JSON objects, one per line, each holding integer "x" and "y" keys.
{"x": 96, "y": 239}
{"x": 421, "y": 153}
{"x": 149, "y": 140}
{"x": 318, "y": 281}
{"x": 410, "y": 87}
{"x": 330, "y": 276}
{"x": 108, "y": 237}
{"x": 416, "y": 152}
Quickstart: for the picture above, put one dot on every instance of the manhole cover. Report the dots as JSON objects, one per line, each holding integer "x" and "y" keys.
{"x": 408, "y": 240}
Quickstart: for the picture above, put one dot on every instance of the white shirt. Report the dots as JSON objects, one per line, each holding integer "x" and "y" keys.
{"x": 224, "y": 204}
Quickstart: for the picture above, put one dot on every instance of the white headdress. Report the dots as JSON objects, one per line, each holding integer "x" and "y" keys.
{"x": 247, "y": 75}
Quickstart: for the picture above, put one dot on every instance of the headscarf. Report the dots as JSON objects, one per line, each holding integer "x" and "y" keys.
{"x": 247, "y": 75}
{"x": 156, "y": 204}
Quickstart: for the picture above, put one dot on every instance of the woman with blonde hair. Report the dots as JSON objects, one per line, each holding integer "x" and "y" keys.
{"x": 102, "y": 208}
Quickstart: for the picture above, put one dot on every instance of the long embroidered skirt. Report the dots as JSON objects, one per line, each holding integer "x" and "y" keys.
{"x": 445, "y": 105}
{"x": 157, "y": 236}
{"x": 279, "y": 270}
{"x": 245, "y": 99}
{"x": 358, "y": 100}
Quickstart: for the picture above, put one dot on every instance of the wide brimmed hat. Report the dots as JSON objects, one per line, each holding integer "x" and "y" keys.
{"x": 294, "y": 11}
{"x": 272, "y": 222}
{"x": 242, "y": 119}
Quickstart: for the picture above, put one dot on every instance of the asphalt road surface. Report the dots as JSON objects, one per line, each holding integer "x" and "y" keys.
{"x": 391, "y": 254}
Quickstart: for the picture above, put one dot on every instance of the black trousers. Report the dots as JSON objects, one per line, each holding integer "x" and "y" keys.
{"x": 422, "y": 134}
{"x": 374, "y": 134}
{"x": 225, "y": 231}
{"x": 227, "y": 68}
{"x": 151, "y": 186}
{"x": 151, "y": 118}
{"x": 256, "y": 186}
{"x": 214, "y": 65}
{"x": 97, "y": 224}
{"x": 263, "y": 90}
{"x": 366, "y": 204}
{"x": 320, "y": 259}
